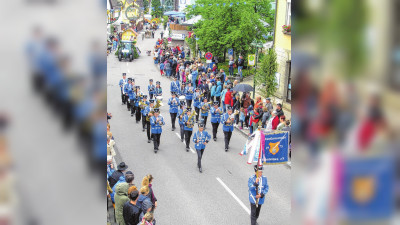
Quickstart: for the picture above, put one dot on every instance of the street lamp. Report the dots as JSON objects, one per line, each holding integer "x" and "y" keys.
{"x": 257, "y": 44}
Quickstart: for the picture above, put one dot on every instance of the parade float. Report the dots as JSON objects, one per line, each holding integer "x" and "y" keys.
{"x": 126, "y": 48}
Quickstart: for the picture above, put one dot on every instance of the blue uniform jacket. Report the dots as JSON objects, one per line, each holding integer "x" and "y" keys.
{"x": 185, "y": 120}
{"x": 142, "y": 110}
{"x": 175, "y": 86}
{"x": 173, "y": 106}
{"x": 182, "y": 91}
{"x": 156, "y": 128}
{"x": 180, "y": 112}
{"x": 216, "y": 116}
{"x": 146, "y": 110}
{"x": 196, "y": 102}
{"x": 202, "y": 137}
{"x": 151, "y": 88}
{"x": 262, "y": 189}
{"x": 122, "y": 82}
{"x": 158, "y": 91}
{"x": 204, "y": 112}
{"x": 189, "y": 93}
{"x": 226, "y": 127}
{"x": 137, "y": 101}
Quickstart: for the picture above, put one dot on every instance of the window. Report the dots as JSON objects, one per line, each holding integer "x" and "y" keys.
{"x": 288, "y": 12}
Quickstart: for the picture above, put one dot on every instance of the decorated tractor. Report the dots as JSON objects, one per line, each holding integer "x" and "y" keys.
{"x": 126, "y": 48}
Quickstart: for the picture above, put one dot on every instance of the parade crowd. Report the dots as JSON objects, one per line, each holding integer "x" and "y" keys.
{"x": 198, "y": 91}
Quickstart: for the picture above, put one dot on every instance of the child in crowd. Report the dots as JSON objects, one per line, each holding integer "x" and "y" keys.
{"x": 241, "y": 117}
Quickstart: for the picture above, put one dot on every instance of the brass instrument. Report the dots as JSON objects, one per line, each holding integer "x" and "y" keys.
{"x": 150, "y": 114}
{"x": 204, "y": 106}
{"x": 158, "y": 102}
{"x": 189, "y": 123}
{"x": 159, "y": 121}
{"x": 232, "y": 116}
{"x": 142, "y": 104}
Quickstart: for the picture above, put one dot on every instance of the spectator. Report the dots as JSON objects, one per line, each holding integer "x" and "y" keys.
{"x": 231, "y": 62}
{"x": 121, "y": 197}
{"x": 147, "y": 180}
{"x": 129, "y": 177}
{"x": 218, "y": 91}
{"x": 259, "y": 103}
{"x": 242, "y": 117}
{"x": 279, "y": 111}
{"x": 228, "y": 98}
{"x": 240, "y": 66}
{"x": 148, "y": 219}
{"x": 144, "y": 202}
{"x": 265, "y": 117}
{"x": 246, "y": 102}
{"x": 269, "y": 126}
{"x": 131, "y": 211}
{"x": 268, "y": 105}
{"x": 282, "y": 123}
{"x": 256, "y": 118}
{"x": 236, "y": 107}
{"x": 115, "y": 176}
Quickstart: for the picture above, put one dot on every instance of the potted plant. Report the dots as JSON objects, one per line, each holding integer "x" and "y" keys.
{"x": 287, "y": 29}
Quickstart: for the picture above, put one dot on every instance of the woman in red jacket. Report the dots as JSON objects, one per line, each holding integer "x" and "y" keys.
{"x": 228, "y": 98}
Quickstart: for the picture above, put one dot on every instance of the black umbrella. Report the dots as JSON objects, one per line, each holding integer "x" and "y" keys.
{"x": 243, "y": 88}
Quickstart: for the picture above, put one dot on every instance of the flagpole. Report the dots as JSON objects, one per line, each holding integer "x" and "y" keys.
{"x": 258, "y": 165}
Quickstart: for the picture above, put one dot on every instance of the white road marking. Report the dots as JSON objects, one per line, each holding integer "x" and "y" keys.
{"x": 233, "y": 195}
{"x": 129, "y": 71}
{"x": 179, "y": 136}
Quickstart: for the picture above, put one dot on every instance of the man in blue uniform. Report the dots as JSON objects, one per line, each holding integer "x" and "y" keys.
{"x": 188, "y": 122}
{"x": 175, "y": 86}
{"x": 200, "y": 140}
{"x": 197, "y": 103}
{"x": 205, "y": 108}
{"x": 142, "y": 105}
{"x": 181, "y": 113}
{"x": 182, "y": 91}
{"x": 173, "y": 103}
{"x": 258, "y": 188}
{"x": 189, "y": 94}
{"x": 139, "y": 96}
{"x": 151, "y": 88}
{"x": 216, "y": 113}
{"x": 146, "y": 113}
{"x": 128, "y": 92}
{"x": 122, "y": 84}
{"x": 227, "y": 120}
{"x": 158, "y": 91}
{"x": 156, "y": 122}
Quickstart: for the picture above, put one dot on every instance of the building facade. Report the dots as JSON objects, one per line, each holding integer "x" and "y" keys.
{"x": 282, "y": 46}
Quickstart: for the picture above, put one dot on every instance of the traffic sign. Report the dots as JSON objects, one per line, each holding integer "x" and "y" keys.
{"x": 230, "y": 51}
{"x": 209, "y": 55}
{"x": 252, "y": 60}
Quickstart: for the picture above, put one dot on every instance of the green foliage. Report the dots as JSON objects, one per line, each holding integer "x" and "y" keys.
{"x": 191, "y": 42}
{"x": 165, "y": 21}
{"x": 135, "y": 53}
{"x": 156, "y": 12}
{"x": 265, "y": 77}
{"x": 236, "y": 26}
{"x": 146, "y": 6}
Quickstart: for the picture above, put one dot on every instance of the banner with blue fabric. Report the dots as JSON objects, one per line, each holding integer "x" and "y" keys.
{"x": 276, "y": 147}
{"x": 367, "y": 189}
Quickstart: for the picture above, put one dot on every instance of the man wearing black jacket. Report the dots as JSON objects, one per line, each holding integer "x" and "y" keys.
{"x": 114, "y": 178}
{"x": 240, "y": 66}
{"x": 131, "y": 212}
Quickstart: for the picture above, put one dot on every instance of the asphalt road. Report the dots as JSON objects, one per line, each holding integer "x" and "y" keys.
{"x": 219, "y": 195}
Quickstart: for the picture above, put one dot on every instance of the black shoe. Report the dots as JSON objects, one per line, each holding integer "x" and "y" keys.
{"x": 143, "y": 130}
{"x": 200, "y": 170}
{"x": 187, "y": 149}
{"x": 137, "y": 121}
{"x": 173, "y": 128}
{"x": 155, "y": 151}
{"x": 148, "y": 141}
{"x": 215, "y": 139}
{"x": 181, "y": 140}
{"x": 226, "y": 149}
{"x": 131, "y": 115}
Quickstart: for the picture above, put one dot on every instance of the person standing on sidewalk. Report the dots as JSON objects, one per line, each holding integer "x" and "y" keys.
{"x": 200, "y": 140}
{"x": 258, "y": 188}
{"x": 240, "y": 66}
{"x": 131, "y": 211}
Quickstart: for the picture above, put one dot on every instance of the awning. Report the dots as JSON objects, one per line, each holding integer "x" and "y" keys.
{"x": 192, "y": 21}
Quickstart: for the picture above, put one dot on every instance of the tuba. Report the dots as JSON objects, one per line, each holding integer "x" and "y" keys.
{"x": 158, "y": 102}
{"x": 190, "y": 124}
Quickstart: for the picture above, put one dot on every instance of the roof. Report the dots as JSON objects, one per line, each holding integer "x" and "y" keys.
{"x": 192, "y": 21}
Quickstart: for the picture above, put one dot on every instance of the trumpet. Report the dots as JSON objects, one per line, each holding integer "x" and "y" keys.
{"x": 232, "y": 116}
{"x": 142, "y": 104}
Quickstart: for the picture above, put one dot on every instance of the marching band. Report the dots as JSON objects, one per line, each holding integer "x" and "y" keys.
{"x": 147, "y": 109}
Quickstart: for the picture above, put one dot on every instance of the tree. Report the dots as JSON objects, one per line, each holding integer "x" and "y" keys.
{"x": 156, "y": 11}
{"x": 230, "y": 26}
{"x": 146, "y": 6}
{"x": 265, "y": 77}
